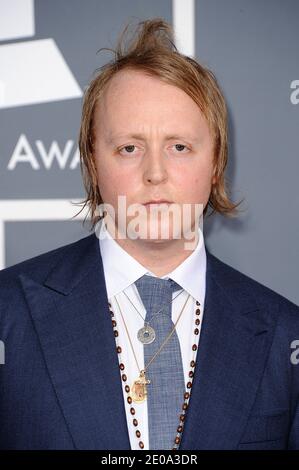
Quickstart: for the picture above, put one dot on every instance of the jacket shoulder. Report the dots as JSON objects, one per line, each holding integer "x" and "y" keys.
{"x": 39, "y": 266}
{"x": 240, "y": 282}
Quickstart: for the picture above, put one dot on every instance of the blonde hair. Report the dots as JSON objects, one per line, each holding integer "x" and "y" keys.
{"x": 151, "y": 49}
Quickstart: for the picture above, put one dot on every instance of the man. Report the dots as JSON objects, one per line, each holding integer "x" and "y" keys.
{"x": 119, "y": 342}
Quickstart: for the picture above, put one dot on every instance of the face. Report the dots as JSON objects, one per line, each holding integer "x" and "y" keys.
{"x": 151, "y": 143}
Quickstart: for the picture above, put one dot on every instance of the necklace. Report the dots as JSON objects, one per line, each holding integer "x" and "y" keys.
{"x": 147, "y": 334}
{"x": 139, "y": 387}
{"x": 187, "y": 393}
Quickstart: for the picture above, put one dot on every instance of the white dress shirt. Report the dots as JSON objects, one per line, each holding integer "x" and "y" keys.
{"x": 121, "y": 270}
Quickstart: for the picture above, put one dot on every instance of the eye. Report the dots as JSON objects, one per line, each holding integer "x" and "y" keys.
{"x": 128, "y": 149}
{"x": 181, "y": 147}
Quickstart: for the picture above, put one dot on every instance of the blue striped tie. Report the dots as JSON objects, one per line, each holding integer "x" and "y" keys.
{"x": 166, "y": 389}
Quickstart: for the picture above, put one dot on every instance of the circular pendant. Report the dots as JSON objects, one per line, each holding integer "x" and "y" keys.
{"x": 146, "y": 335}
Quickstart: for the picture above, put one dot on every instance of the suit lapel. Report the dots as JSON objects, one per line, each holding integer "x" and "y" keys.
{"x": 72, "y": 320}
{"x": 234, "y": 345}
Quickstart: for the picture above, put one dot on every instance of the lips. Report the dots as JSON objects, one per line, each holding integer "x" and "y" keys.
{"x": 159, "y": 201}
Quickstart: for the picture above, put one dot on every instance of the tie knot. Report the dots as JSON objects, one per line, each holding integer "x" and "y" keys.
{"x": 156, "y": 293}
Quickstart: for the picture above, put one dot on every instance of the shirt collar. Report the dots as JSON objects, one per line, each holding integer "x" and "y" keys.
{"x": 121, "y": 269}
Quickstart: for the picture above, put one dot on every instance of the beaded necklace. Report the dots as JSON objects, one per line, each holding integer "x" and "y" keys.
{"x": 187, "y": 393}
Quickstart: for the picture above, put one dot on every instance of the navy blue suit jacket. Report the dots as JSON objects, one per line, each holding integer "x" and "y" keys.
{"x": 60, "y": 386}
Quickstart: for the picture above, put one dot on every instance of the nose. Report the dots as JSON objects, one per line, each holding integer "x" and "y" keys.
{"x": 154, "y": 168}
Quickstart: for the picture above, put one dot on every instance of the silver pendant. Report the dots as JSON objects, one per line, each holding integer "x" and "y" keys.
{"x": 146, "y": 335}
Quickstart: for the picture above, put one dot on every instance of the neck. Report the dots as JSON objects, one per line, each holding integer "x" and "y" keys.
{"x": 158, "y": 256}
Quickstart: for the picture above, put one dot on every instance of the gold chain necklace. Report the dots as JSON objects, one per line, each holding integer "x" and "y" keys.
{"x": 187, "y": 393}
{"x": 139, "y": 387}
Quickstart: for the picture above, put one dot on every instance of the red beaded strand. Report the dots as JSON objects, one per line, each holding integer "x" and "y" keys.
{"x": 187, "y": 394}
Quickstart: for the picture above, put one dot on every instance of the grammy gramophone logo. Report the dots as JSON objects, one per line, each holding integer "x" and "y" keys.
{"x": 32, "y": 70}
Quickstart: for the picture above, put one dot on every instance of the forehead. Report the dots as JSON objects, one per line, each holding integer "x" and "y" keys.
{"x": 136, "y": 82}
{"x": 135, "y": 99}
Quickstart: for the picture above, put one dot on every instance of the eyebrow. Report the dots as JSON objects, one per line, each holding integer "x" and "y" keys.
{"x": 138, "y": 136}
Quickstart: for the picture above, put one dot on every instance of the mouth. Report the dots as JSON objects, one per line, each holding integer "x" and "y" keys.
{"x": 157, "y": 202}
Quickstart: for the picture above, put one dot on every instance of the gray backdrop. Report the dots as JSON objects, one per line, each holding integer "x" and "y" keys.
{"x": 252, "y": 47}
